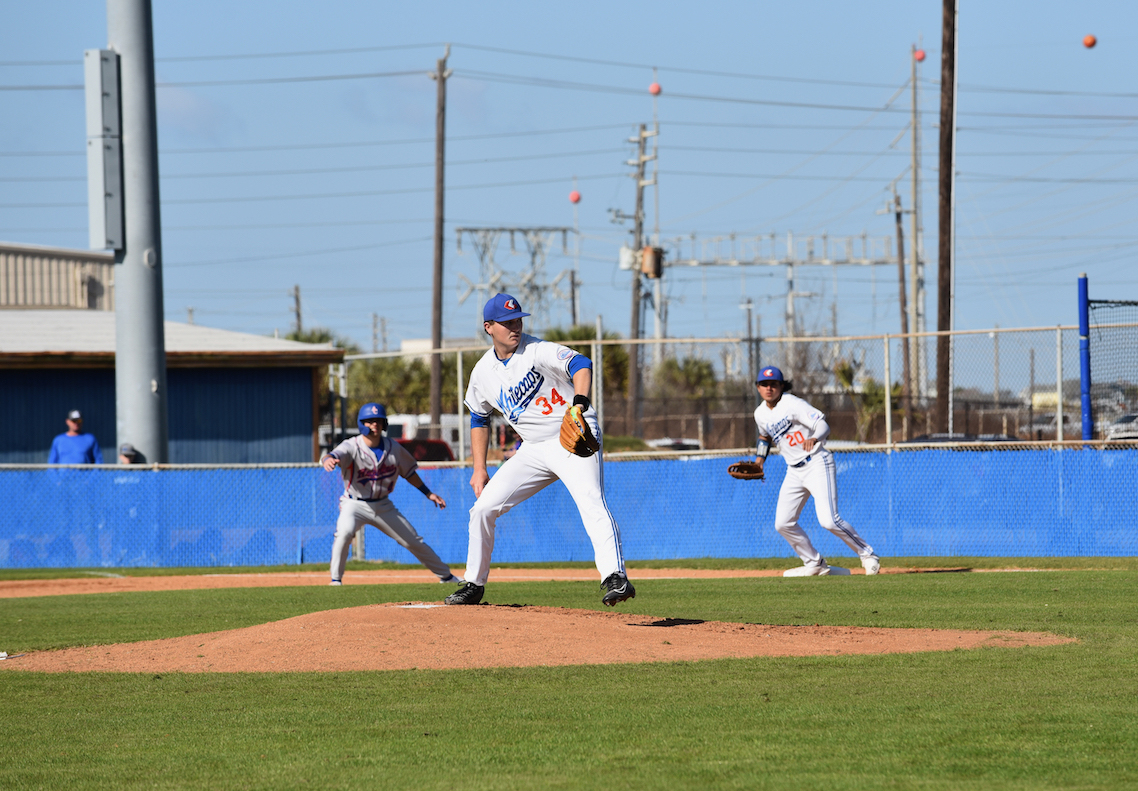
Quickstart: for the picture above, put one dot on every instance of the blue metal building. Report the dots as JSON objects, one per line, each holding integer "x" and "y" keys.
{"x": 233, "y": 397}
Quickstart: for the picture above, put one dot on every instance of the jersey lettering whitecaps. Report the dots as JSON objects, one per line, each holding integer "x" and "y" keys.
{"x": 791, "y": 422}
{"x": 522, "y": 387}
{"x": 512, "y": 401}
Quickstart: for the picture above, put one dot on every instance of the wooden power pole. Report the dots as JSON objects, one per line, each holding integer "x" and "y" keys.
{"x": 440, "y": 75}
{"x": 296, "y": 310}
{"x": 944, "y": 216}
{"x": 906, "y": 342}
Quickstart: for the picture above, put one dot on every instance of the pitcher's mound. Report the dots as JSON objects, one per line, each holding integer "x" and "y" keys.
{"x": 431, "y": 636}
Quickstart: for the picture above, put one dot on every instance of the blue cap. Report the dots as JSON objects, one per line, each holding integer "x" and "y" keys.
{"x": 502, "y": 307}
{"x": 769, "y": 374}
{"x": 370, "y": 411}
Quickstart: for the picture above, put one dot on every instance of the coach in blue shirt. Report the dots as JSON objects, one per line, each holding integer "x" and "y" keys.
{"x": 75, "y": 447}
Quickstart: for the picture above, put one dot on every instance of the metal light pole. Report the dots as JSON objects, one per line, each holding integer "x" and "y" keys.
{"x": 140, "y": 343}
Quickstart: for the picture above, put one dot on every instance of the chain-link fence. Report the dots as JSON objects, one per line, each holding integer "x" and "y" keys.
{"x": 1009, "y": 385}
{"x": 1114, "y": 360}
{"x": 1031, "y": 502}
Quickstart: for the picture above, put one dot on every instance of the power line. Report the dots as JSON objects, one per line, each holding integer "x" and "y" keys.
{"x": 517, "y": 79}
{"x": 371, "y": 193}
{"x": 301, "y": 254}
{"x": 354, "y": 144}
{"x": 351, "y": 169}
{"x": 737, "y": 175}
{"x": 676, "y": 69}
{"x": 596, "y": 88}
{"x": 580, "y": 86}
{"x": 800, "y": 152}
{"x": 302, "y": 53}
{"x": 1033, "y": 91}
{"x": 323, "y": 195}
{"x": 215, "y": 83}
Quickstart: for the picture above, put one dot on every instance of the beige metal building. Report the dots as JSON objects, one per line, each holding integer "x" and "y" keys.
{"x": 32, "y": 276}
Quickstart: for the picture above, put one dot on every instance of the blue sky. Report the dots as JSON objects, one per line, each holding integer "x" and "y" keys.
{"x": 327, "y": 184}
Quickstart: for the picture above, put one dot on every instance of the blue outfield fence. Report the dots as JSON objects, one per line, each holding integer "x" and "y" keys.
{"x": 1023, "y": 503}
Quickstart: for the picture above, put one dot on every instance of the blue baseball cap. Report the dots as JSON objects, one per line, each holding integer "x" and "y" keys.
{"x": 502, "y": 307}
{"x": 769, "y": 374}
{"x": 370, "y": 411}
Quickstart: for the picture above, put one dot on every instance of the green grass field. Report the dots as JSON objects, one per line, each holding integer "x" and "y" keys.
{"x": 1056, "y": 717}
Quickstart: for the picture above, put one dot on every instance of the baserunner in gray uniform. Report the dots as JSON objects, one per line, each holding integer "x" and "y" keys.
{"x": 371, "y": 464}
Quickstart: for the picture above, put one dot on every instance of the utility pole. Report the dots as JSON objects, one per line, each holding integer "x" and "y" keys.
{"x": 917, "y": 303}
{"x": 296, "y": 310}
{"x": 440, "y": 76}
{"x": 906, "y": 341}
{"x": 659, "y": 325}
{"x": 632, "y": 414}
{"x": 140, "y": 341}
{"x": 374, "y": 333}
{"x": 190, "y": 315}
{"x": 573, "y": 317}
{"x": 945, "y": 219}
{"x": 748, "y": 305}
{"x": 383, "y": 332}
{"x": 575, "y": 198}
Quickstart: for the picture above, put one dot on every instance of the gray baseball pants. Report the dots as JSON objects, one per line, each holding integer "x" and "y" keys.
{"x": 383, "y": 514}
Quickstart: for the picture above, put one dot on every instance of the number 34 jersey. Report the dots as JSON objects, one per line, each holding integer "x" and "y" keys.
{"x": 532, "y": 389}
{"x": 789, "y": 424}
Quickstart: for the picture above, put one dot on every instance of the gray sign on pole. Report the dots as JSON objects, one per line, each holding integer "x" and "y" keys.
{"x": 104, "y": 149}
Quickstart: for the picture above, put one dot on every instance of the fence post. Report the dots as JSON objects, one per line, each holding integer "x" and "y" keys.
{"x": 461, "y": 398}
{"x": 888, "y": 397}
{"x": 1059, "y": 384}
{"x": 599, "y": 376}
{"x": 1085, "y": 359}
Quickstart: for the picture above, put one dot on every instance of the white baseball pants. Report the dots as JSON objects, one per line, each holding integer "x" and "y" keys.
{"x": 816, "y": 477}
{"x": 531, "y": 469}
{"x": 383, "y": 514}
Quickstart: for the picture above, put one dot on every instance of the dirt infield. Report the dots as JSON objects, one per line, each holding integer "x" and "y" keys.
{"x": 432, "y": 636}
{"x": 117, "y": 584}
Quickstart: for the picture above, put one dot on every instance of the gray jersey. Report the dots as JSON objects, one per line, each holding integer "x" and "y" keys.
{"x": 371, "y": 473}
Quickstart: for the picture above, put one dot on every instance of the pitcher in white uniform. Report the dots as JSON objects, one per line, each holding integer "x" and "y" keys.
{"x": 532, "y": 382}
{"x": 800, "y": 431}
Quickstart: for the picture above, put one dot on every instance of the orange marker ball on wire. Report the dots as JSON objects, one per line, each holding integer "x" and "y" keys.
{"x": 1089, "y": 41}
{"x": 919, "y": 55}
{"x": 654, "y": 89}
{"x": 574, "y": 197}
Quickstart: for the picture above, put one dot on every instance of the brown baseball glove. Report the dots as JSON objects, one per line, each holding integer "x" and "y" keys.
{"x": 576, "y": 436}
{"x": 746, "y": 471}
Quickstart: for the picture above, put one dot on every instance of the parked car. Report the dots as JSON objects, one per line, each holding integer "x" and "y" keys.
{"x": 1044, "y": 426}
{"x": 670, "y": 443}
{"x": 1126, "y": 427}
{"x": 923, "y": 438}
{"x": 428, "y": 449}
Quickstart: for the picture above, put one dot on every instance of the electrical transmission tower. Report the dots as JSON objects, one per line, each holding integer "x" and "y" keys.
{"x": 529, "y": 286}
{"x": 823, "y": 250}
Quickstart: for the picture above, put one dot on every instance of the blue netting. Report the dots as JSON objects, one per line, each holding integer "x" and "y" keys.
{"x": 915, "y": 503}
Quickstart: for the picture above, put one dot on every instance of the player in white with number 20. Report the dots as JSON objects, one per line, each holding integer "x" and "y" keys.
{"x": 532, "y": 383}
{"x": 800, "y": 431}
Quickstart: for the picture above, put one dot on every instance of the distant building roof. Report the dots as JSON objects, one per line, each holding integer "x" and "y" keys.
{"x": 65, "y": 338}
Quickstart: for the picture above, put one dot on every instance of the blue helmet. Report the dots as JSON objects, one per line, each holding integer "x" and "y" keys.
{"x": 370, "y": 411}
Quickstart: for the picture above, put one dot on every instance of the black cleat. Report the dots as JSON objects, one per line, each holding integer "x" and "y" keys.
{"x": 467, "y": 594}
{"x": 617, "y": 588}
